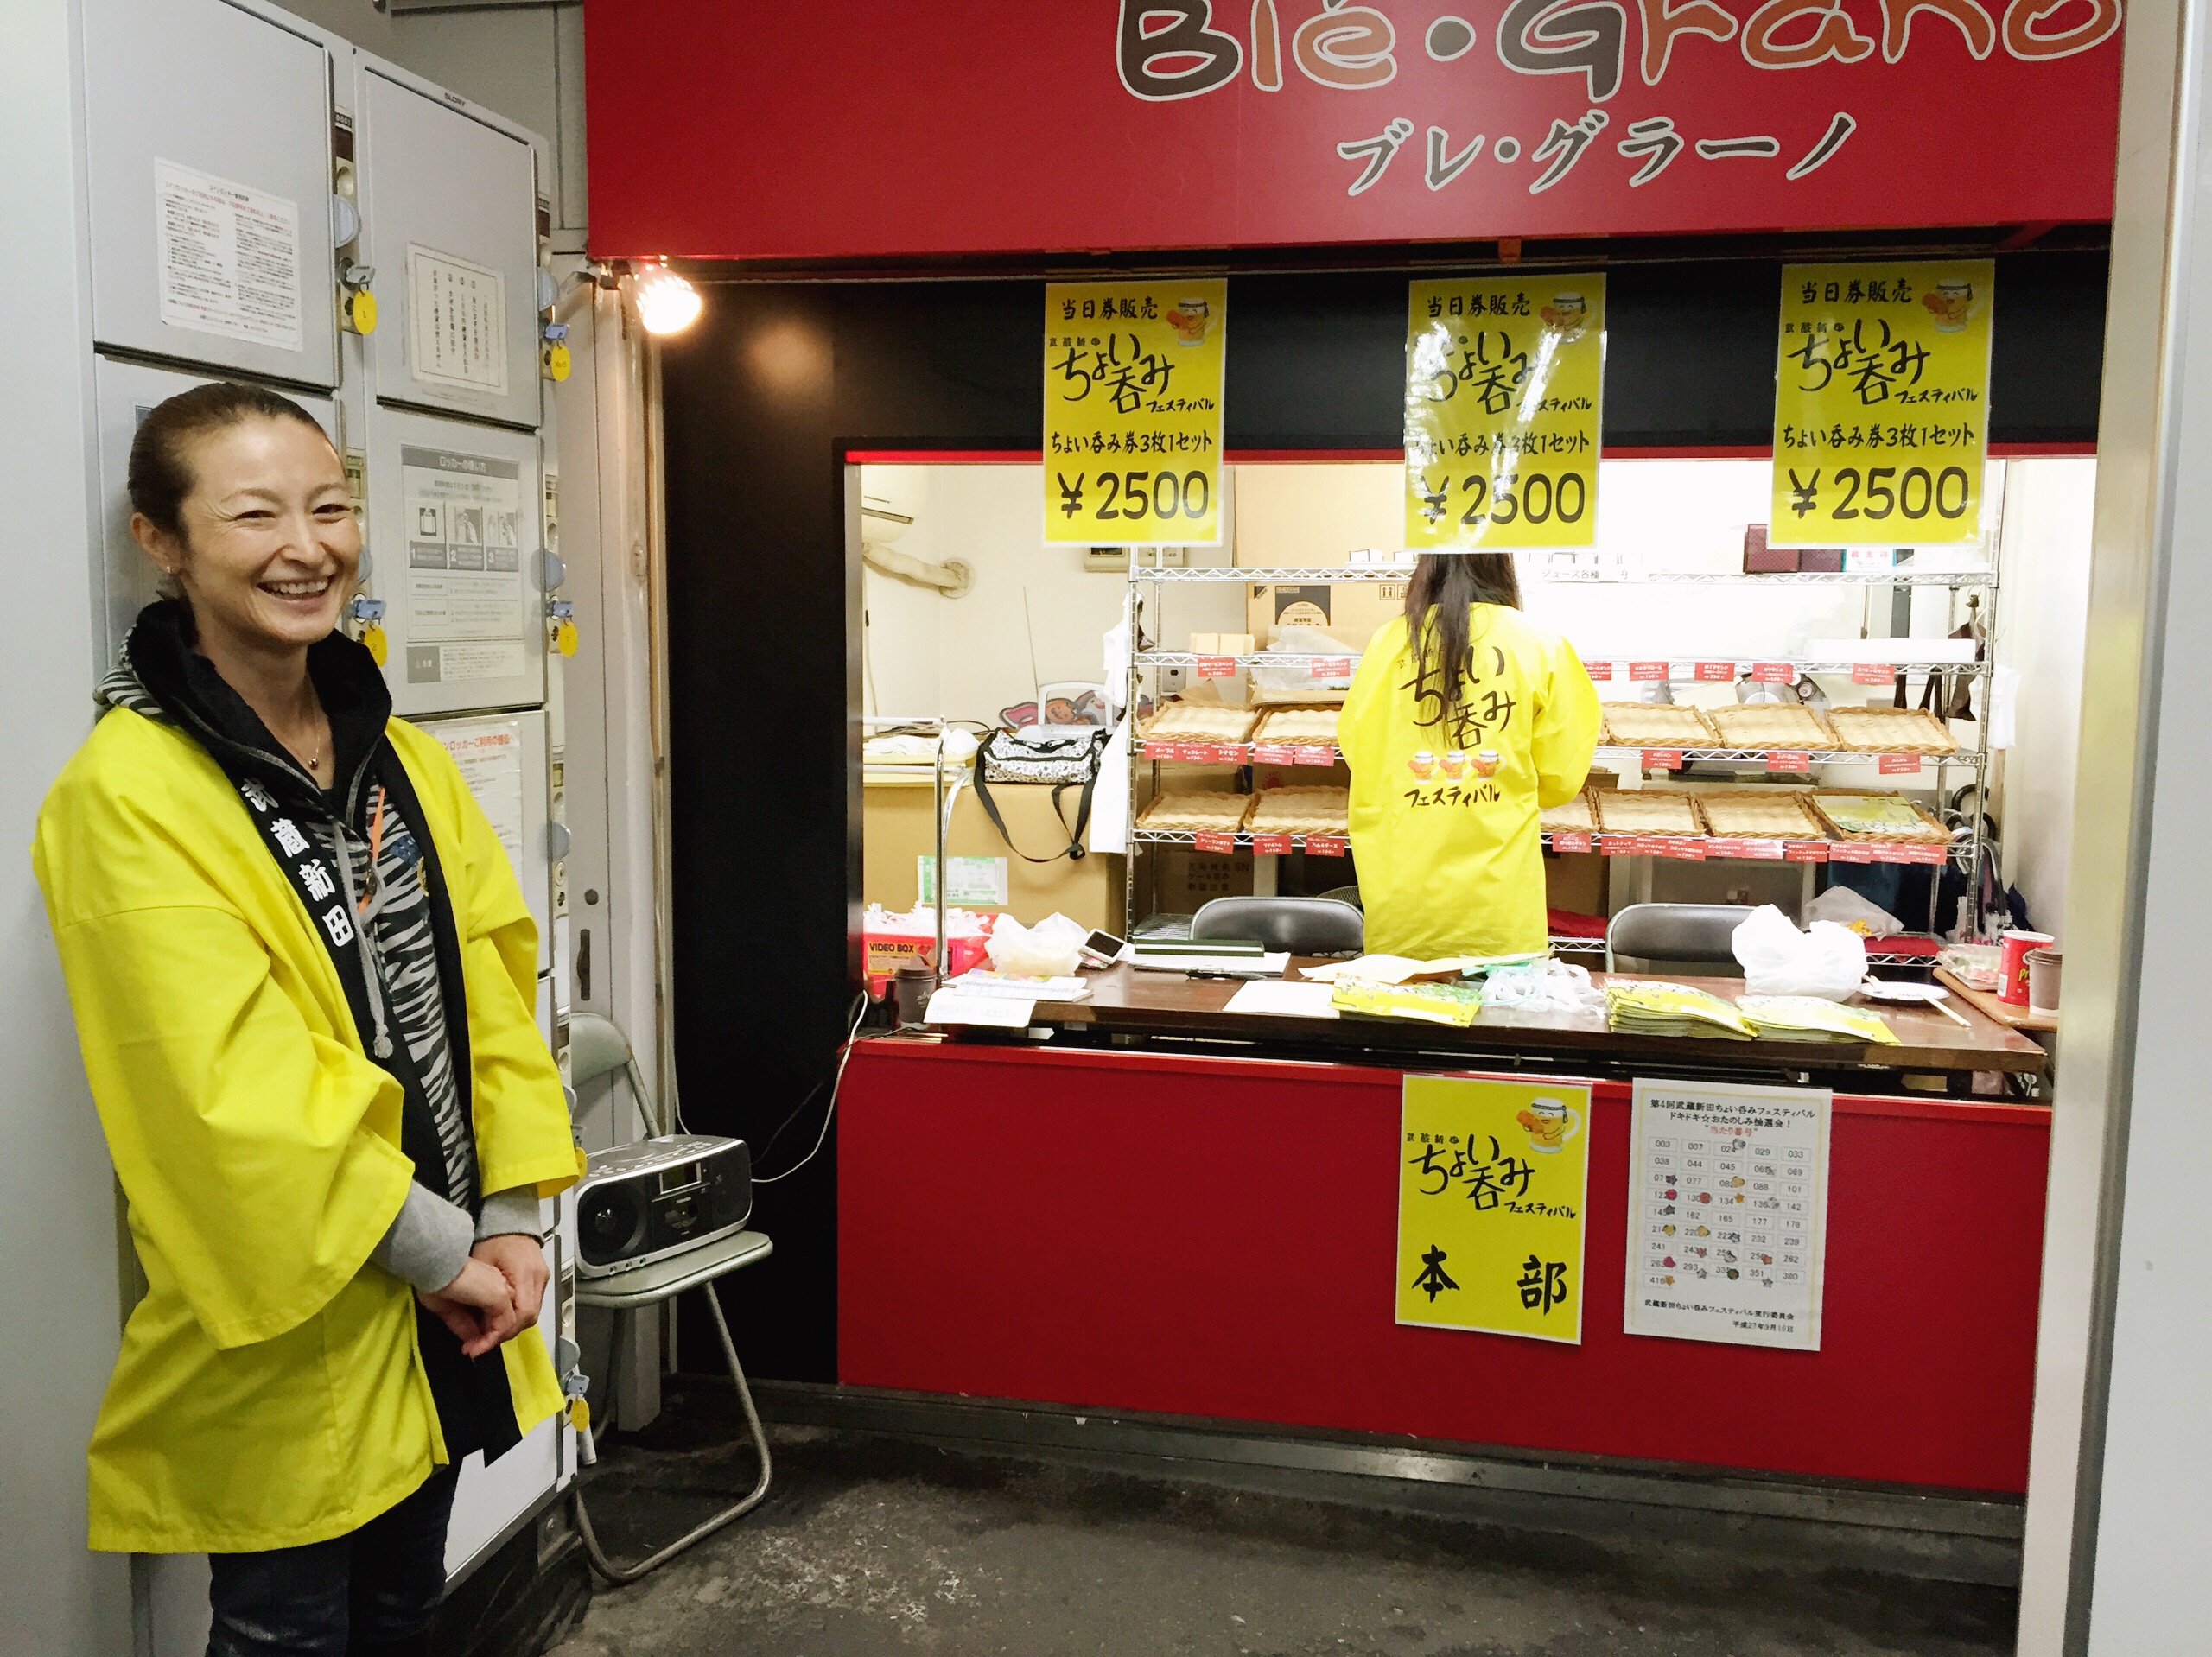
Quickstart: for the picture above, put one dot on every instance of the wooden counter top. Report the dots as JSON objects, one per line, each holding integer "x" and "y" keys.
{"x": 1128, "y": 1002}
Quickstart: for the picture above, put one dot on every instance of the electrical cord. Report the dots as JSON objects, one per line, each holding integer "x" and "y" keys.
{"x": 844, "y": 1052}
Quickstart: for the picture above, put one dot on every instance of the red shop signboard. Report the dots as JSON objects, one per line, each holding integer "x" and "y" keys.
{"x": 871, "y": 129}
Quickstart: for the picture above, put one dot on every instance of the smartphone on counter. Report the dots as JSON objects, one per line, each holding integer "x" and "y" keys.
{"x": 1104, "y": 949}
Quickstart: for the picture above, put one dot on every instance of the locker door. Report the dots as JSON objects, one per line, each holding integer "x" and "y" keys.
{"x": 125, "y": 392}
{"x": 455, "y": 518}
{"x": 502, "y": 758}
{"x": 449, "y": 209}
{"x": 208, "y": 167}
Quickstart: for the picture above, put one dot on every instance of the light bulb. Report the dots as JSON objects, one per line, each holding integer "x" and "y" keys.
{"x": 666, "y": 303}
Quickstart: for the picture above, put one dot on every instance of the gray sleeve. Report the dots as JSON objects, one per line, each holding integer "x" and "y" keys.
{"x": 507, "y": 1211}
{"x": 429, "y": 1242}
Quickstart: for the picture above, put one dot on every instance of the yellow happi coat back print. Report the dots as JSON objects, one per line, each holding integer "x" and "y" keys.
{"x": 1444, "y": 828}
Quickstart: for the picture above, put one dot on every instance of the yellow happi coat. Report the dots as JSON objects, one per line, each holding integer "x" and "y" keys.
{"x": 268, "y": 1392}
{"x": 1444, "y": 828}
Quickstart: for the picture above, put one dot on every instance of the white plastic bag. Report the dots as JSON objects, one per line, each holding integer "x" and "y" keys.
{"x": 1545, "y": 985}
{"x": 1051, "y": 949}
{"x": 1855, "y": 911}
{"x": 1828, "y": 960}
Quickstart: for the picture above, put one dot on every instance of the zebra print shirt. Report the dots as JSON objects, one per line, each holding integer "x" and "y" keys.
{"x": 405, "y": 954}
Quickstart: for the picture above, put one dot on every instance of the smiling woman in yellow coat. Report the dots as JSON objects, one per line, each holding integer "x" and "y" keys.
{"x": 1465, "y": 720}
{"x": 304, "y": 977}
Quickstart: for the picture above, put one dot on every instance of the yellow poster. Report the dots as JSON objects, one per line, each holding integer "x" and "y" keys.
{"x": 1493, "y": 1176}
{"x": 1503, "y": 378}
{"x": 1133, "y": 374}
{"x": 1881, "y": 404}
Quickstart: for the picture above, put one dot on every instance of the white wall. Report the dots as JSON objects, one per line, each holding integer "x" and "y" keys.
{"x": 2042, "y": 631}
{"x": 59, "y": 1296}
{"x": 969, "y": 656}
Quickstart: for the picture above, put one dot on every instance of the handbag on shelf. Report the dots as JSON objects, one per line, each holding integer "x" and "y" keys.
{"x": 1065, "y": 762}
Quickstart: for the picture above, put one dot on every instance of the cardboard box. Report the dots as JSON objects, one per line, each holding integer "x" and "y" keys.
{"x": 1311, "y": 515}
{"x": 896, "y": 831}
{"x": 1185, "y": 877}
{"x": 1575, "y": 881}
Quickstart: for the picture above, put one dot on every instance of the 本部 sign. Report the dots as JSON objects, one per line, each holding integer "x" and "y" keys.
{"x": 1493, "y": 1176}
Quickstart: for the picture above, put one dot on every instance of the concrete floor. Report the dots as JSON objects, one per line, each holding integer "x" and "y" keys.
{"x": 871, "y": 1548}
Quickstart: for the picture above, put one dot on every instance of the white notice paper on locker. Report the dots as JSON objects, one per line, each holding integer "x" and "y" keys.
{"x": 229, "y": 257}
{"x": 489, "y": 753}
{"x": 465, "y": 598}
{"x": 457, "y": 321}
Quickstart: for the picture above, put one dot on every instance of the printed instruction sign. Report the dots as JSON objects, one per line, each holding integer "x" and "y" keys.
{"x": 1728, "y": 1206}
{"x": 1503, "y": 379}
{"x": 976, "y": 882}
{"x": 457, "y": 321}
{"x": 1493, "y": 1176}
{"x": 1881, "y": 404}
{"x": 1133, "y": 396}
{"x": 466, "y": 610}
{"x": 228, "y": 255}
{"x": 488, "y": 752}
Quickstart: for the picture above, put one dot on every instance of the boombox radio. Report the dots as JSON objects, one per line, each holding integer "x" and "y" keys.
{"x": 656, "y": 1198}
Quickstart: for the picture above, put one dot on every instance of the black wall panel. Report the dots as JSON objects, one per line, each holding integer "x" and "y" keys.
{"x": 761, "y": 399}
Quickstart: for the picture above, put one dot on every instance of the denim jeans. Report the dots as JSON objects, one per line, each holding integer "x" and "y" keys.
{"x": 368, "y": 1593}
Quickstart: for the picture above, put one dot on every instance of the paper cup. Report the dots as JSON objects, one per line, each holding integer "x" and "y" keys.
{"x": 2012, "y": 965}
{"x": 2043, "y": 980}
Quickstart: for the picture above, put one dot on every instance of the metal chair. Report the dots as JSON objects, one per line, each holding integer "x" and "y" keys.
{"x": 597, "y": 1047}
{"x": 649, "y": 1285}
{"x": 1305, "y": 926}
{"x": 1697, "y": 934}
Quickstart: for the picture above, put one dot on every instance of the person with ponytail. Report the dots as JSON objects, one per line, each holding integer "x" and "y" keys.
{"x": 1464, "y": 721}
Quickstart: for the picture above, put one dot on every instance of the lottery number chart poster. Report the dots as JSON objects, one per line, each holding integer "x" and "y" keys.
{"x": 1133, "y": 408}
{"x": 1881, "y": 406}
{"x": 1728, "y": 1199}
{"x": 1504, "y": 378}
{"x": 1493, "y": 1176}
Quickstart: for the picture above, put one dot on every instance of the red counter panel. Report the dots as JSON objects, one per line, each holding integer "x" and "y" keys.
{"x": 1216, "y": 1237}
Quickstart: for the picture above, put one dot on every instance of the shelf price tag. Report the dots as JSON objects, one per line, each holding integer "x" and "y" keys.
{"x": 1688, "y": 847}
{"x": 1768, "y": 850}
{"x": 1133, "y": 401}
{"x": 1503, "y": 379}
{"x": 1873, "y": 673}
{"x": 1330, "y": 667}
{"x": 1327, "y": 846}
{"x": 1216, "y": 667}
{"x": 1789, "y": 759}
{"x": 1213, "y": 840}
{"x": 1898, "y": 765}
{"x": 1648, "y": 672}
{"x": 1773, "y": 673}
{"x": 1881, "y": 411}
{"x": 1274, "y": 754}
{"x": 1716, "y": 672}
{"x": 1271, "y": 845}
{"x": 1599, "y": 672}
{"x": 1805, "y": 851}
{"x": 1661, "y": 760}
{"x": 1314, "y": 753}
{"x": 1570, "y": 840}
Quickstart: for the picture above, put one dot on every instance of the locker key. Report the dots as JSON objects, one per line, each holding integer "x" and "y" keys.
{"x": 556, "y": 354}
{"x": 369, "y": 612}
{"x": 361, "y": 312}
{"x": 561, "y": 612}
